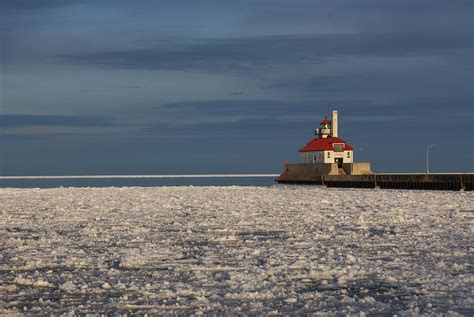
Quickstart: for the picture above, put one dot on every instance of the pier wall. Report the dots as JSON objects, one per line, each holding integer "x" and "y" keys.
{"x": 357, "y": 168}
{"x": 313, "y": 175}
{"x": 308, "y": 171}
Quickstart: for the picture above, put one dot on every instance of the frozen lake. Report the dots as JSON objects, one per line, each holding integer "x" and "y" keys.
{"x": 235, "y": 250}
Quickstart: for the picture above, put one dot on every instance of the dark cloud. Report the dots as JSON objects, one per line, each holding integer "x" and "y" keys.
{"x": 425, "y": 117}
{"x": 404, "y": 79}
{"x": 33, "y": 4}
{"x": 368, "y": 16}
{"x": 17, "y": 120}
{"x": 267, "y": 126}
{"x": 131, "y": 87}
{"x": 238, "y": 107}
{"x": 430, "y": 106}
{"x": 246, "y": 54}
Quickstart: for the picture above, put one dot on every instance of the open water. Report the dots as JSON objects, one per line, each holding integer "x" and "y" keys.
{"x": 137, "y": 182}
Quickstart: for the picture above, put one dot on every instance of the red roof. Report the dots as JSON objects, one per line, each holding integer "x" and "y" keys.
{"x": 324, "y": 145}
{"x": 325, "y": 121}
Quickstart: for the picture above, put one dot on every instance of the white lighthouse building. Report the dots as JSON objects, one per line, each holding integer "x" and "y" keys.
{"x": 325, "y": 155}
{"x": 327, "y": 147}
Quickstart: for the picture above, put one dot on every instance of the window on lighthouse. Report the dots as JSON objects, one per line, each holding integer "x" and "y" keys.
{"x": 338, "y": 147}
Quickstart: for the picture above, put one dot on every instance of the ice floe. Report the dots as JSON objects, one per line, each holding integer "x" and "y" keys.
{"x": 284, "y": 250}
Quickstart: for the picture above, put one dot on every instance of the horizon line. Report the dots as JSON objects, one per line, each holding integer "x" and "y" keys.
{"x": 13, "y": 177}
{"x": 141, "y": 176}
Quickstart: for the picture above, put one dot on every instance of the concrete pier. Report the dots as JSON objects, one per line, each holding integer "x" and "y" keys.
{"x": 305, "y": 174}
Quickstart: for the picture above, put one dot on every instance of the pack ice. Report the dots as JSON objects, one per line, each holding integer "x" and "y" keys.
{"x": 235, "y": 250}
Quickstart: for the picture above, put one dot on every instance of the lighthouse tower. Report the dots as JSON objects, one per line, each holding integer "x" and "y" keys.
{"x": 327, "y": 147}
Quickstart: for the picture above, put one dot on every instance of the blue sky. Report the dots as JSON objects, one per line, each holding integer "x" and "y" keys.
{"x": 107, "y": 87}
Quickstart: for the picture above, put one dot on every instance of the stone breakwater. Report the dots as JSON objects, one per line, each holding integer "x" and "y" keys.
{"x": 306, "y": 174}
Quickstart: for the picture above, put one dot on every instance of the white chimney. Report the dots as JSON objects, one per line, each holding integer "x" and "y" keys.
{"x": 334, "y": 132}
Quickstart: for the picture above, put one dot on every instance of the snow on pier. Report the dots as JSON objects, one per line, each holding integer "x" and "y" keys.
{"x": 235, "y": 250}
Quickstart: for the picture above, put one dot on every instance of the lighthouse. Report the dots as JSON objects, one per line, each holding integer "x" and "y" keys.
{"x": 327, "y": 147}
{"x": 326, "y": 155}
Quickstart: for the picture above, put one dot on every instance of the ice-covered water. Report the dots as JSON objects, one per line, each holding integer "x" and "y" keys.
{"x": 235, "y": 250}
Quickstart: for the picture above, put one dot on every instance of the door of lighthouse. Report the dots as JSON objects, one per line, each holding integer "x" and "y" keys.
{"x": 339, "y": 162}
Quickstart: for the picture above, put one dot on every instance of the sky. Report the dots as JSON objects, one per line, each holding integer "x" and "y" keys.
{"x": 217, "y": 86}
